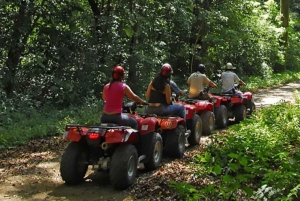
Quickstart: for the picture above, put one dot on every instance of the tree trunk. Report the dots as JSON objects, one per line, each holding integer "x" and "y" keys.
{"x": 132, "y": 61}
{"x": 22, "y": 28}
{"x": 284, "y": 10}
{"x": 199, "y": 29}
{"x": 101, "y": 31}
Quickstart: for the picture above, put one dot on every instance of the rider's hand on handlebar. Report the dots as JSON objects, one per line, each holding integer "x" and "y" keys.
{"x": 144, "y": 103}
{"x": 213, "y": 85}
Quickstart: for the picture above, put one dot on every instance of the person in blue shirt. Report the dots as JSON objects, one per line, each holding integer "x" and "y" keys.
{"x": 175, "y": 89}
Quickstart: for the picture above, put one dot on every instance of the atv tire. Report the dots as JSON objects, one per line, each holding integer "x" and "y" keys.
{"x": 123, "y": 166}
{"x": 208, "y": 122}
{"x": 222, "y": 116}
{"x": 174, "y": 142}
{"x": 74, "y": 163}
{"x": 252, "y": 107}
{"x": 240, "y": 113}
{"x": 196, "y": 131}
{"x": 155, "y": 157}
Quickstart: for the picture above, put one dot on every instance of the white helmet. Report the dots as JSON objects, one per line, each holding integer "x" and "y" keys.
{"x": 229, "y": 66}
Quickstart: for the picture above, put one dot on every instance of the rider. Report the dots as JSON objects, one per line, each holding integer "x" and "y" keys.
{"x": 159, "y": 95}
{"x": 228, "y": 78}
{"x": 196, "y": 81}
{"x": 113, "y": 95}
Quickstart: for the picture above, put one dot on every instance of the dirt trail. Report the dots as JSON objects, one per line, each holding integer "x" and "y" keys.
{"x": 274, "y": 95}
{"x": 31, "y": 172}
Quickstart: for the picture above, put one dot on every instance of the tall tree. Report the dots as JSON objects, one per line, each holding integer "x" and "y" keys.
{"x": 285, "y": 18}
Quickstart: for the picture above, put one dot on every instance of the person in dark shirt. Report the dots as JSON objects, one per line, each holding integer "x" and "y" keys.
{"x": 159, "y": 95}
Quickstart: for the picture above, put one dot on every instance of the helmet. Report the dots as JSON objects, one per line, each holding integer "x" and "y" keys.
{"x": 229, "y": 66}
{"x": 166, "y": 70}
{"x": 118, "y": 72}
{"x": 201, "y": 68}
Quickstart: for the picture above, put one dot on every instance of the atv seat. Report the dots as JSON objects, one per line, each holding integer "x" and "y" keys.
{"x": 108, "y": 124}
{"x": 168, "y": 117}
{"x": 147, "y": 115}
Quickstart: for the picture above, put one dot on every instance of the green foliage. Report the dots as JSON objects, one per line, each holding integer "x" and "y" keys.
{"x": 58, "y": 60}
{"x": 257, "y": 159}
{"x": 20, "y": 121}
{"x": 256, "y": 82}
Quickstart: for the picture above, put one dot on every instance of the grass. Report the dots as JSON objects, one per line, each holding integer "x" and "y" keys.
{"x": 257, "y": 159}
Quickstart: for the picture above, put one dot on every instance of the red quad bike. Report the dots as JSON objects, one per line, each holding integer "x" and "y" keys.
{"x": 237, "y": 107}
{"x": 200, "y": 118}
{"x": 220, "y": 111}
{"x": 116, "y": 149}
{"x": 174, "y": 135}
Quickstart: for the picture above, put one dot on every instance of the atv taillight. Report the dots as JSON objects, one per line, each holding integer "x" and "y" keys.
{"x": 93, "y": 136}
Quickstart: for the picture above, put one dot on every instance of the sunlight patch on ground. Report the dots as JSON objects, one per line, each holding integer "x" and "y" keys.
{"x": 271, "y": 100}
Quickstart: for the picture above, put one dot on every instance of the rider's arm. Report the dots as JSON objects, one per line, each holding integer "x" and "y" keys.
{"x": 212, "y": 84}
{"x": 133, "y": 96}
{"x": 189, "y": 81}
{"x": 208, "y": 82}
{"x": 168, "y": 93}
{"x": 237, "y": 79}
{"x": 242, "y": 83}
{"x": 176, "y": 89}
{"x": 103, "y": 94}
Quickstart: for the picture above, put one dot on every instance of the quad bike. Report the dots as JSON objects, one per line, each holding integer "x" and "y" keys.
{"x": 113, "y": 148}
{"x": 172, "y": 129}
{"x": 238, "y": 107}
{"x": 200, "y": 118}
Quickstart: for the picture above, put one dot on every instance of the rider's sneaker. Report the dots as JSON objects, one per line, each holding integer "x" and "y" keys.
{"x": 212, "y": 100}
{"x": 187, "y": 133}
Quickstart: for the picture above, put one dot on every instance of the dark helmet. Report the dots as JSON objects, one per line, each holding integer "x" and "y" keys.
{"x": 201, "y": 68}
{"x": 166, "y": 70}
{"x": 118, "y": 72}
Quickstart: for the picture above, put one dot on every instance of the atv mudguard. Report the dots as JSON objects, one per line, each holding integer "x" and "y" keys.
{"x": 204, "y": 106}
{"x": 73, "y": 134}
{"x": 248, "y": 95}
{"x": 121, "y": 135}
{"x": 189, "y": 111}
{"x": 170, "y": 123}
{"x": 147, "y": 125}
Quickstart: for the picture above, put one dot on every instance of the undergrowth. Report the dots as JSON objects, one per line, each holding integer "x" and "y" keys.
{"x": 257, "y": 159}
{"x": 22, "y": 121}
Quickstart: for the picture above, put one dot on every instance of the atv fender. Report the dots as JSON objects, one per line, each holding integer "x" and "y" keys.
{"x": 73, "y": 134}
{"x": 171, "y": 123}
{"x": 248, "y": 95}
{"x": 236, "y": 100}
{"x": 218, "y": 100}
{"x": 121, "y": 135}
{"x": 204, "y": 105}
{"x": 189, "y": 111}
{"x": 147, "y": 125}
